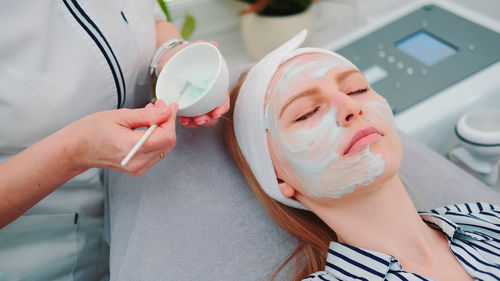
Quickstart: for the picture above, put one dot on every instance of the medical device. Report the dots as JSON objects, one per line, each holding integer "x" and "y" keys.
{"x": 479, "y": 150}
{"x": 433, "y": 61}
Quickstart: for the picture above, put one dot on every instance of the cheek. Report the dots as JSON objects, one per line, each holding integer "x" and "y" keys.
{"x": 301, "y": 155}
{"x": 379, "y": 113}
{"x": 276, "y": 149}
{"x": 283, "y": 168}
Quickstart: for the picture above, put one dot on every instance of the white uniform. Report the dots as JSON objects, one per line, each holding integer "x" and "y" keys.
{"x": 61, "y": 60}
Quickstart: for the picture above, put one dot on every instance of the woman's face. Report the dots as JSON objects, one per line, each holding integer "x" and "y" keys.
{"x": 328, "y": 131}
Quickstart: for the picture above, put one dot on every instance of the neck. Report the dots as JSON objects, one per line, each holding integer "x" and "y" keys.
{"x": 380, "y": 217}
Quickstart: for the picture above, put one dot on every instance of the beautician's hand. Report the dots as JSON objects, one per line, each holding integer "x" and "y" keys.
{"x": 108, "y": 136}
{"x": 209, "y": 119}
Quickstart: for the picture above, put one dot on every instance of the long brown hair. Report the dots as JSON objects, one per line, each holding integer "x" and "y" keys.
{"x": 313, "y": 234}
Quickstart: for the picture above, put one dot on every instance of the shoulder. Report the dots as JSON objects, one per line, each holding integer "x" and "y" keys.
{"x": 321, "y": 276}
{"x": 468, "y": 209}
{"x": 478, "y": 216}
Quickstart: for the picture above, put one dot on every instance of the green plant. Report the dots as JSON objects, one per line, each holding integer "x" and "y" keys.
{"x": 189, "y": 21}
{"x": 276, "y": 7}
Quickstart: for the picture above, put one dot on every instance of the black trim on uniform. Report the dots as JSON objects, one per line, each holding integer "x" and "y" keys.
{"x": 101, "y": 47}
{"x": 124, "y": 17}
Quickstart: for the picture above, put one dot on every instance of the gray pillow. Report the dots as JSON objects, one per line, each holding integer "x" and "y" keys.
{"x": 192, "y": 216}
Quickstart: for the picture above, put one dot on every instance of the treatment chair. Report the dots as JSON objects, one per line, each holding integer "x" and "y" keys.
{"x": 192, "y": 216}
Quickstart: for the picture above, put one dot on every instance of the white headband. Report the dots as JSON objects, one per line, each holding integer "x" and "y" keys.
{"x": 248, "y": 117}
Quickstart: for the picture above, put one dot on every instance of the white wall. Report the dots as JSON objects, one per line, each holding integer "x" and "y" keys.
{"x": 218, "y": 20}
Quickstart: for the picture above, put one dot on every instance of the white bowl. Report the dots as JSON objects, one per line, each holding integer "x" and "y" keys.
{"x": 201, "y": 64}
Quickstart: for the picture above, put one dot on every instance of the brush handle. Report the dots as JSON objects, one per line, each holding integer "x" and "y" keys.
{"x": 138, "y": 145}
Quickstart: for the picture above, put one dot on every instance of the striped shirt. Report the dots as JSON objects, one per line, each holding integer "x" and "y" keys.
{"x": 473, "y": 232}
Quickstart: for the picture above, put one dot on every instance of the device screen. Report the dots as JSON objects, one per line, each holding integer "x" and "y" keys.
{"x": 426, "y": 48}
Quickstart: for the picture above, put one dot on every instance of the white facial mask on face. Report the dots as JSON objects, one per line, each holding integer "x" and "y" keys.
{"x": 379, "y": 112}
{"x": 300, "y": 67}
{"x": 310, "y": 156}
{"x": 249, "y": 114}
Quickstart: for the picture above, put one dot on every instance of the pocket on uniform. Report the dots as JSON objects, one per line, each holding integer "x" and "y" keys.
{"x": 39, "y": 247}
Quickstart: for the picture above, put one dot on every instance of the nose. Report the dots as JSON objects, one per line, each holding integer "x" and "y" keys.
{"x": 348, "y": 111}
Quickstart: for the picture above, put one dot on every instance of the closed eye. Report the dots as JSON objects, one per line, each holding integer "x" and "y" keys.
{"x": 360, "y": 91}
{"x": 307, "y": 115}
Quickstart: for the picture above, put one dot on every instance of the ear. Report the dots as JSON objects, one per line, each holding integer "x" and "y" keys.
{"x": 286, "y": 189}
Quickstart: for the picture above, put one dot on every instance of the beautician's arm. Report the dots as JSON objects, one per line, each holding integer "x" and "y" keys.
{"x": 100, "y": 140}
{"x": 166, "y": 31}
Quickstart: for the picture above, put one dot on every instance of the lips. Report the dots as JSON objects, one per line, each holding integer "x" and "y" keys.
{"x": 363, "y": 138}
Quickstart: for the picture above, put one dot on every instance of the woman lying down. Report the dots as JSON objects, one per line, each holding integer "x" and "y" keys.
{"x": 320, "y": 150}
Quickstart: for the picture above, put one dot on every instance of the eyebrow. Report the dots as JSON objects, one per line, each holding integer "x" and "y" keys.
{"x": 305, "y": 93}
{"x": 343, "y": 75}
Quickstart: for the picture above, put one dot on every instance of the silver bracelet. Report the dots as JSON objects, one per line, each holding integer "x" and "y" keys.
{"x": 153, "y": 66}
